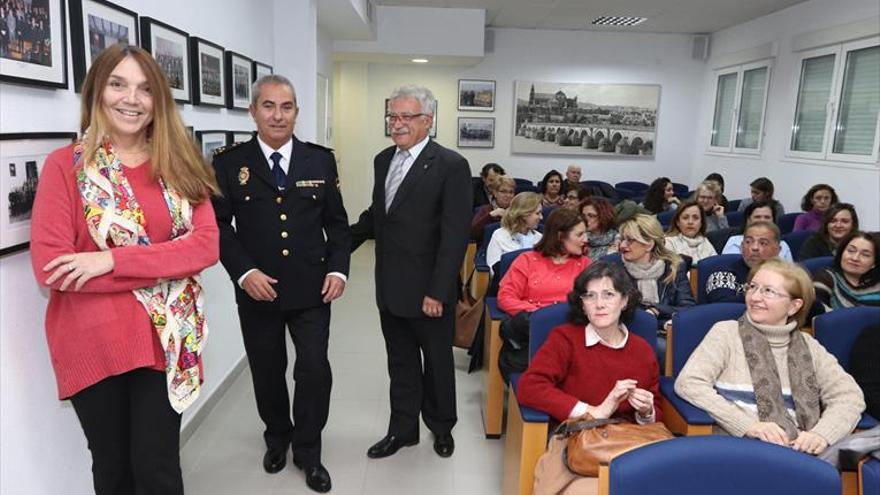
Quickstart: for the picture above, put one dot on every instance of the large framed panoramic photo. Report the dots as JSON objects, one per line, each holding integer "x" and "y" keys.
{"x": 208, "y": 68}
{"x": 170, "y": 47}
{"x": 585, "y": 119}
{"x": 21, "y": 159}
{"x": 36, "y": 56}
{"x": 94, "y": 26}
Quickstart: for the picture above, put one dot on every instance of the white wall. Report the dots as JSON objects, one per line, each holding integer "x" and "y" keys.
{"x": 38, "y": 432}
{"x": 858, "y": 184}
{"x": 558, "y": 56}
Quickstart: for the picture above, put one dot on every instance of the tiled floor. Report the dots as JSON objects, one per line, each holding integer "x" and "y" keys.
{"x": 224, "y": 456}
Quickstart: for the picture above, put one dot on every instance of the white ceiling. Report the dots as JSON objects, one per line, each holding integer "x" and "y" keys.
{"x": 664, "y": 16}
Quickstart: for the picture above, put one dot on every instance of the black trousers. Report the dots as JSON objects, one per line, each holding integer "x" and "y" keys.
{"x": 265, "y": 344}
{"x": 133, "y": 434}
{"x": 422, "y": 372}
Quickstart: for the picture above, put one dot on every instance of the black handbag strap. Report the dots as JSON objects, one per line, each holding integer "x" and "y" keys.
{"x": 568, "y": 429}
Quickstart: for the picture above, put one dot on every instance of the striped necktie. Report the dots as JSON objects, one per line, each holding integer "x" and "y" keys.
{"x": 395, "y": 177}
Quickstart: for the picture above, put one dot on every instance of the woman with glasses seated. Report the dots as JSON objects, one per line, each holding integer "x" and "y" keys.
{"x": 602, "y": 237}
{"x": 853, "y": 279}
{"x": 502, "y": 189}
{"x": 518, "y": 228}
{"x": 761, "y": 377}
{"x": 593, "y": 364}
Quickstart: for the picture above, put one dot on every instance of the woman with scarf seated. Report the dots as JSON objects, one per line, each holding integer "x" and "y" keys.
{"x": 602, "y": 237}
{"x": 687, "y": 233}
{"x": 761, "y": 377}
{"x": 853, "y": 279}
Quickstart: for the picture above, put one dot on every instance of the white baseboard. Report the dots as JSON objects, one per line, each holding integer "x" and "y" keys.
{"x": 199, "y": 416}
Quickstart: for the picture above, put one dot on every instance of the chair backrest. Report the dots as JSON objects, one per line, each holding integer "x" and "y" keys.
{"x": 665, "y": 217}
{"x": 644, "y": 325}
{"x": 524, "y": 185}
{"x": 710, "y": 265}
{"x": 869, "y": 474}
{"x": 838, "y": 330}
{"x": 690, "y": 325}
{"x": 606, "y": 189}
{"x": 795, "y": 240}
{"x": 634, "y": 186}
{"x": 546, "y": 211}
{"x": 681, "y": 190}
{"x": 720, "y": 465}
{"x": 488, "y": 230}
{"x": 718, "y": 238}
{"x": 542, "y": 322}
{"x": 786, "y": 222}
{"x": 507, "y": 260}
{"x": 813, "y": 265}
{"x": 733, "y": 204}
{"x": 735, "y": 218}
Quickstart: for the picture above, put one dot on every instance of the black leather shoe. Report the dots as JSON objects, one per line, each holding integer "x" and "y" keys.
{"x": 389, "y": 446}
{"x": 317, "y": 477}
{"x": 275, "y": 460}
{"x": 444, "y": 445}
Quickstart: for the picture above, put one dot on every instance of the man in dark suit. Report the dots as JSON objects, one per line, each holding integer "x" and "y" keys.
{"x": 483, "y": 194}
{"x": 288, "y": 255}
{"x": 420, "y": 217}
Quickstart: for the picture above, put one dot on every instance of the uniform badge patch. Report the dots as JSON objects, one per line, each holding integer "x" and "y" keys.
{"x": 244, "y": 174}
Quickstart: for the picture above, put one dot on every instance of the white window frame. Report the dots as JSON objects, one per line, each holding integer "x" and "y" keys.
{"x": 840, "y": 52}
{"x": 740, "y": 71}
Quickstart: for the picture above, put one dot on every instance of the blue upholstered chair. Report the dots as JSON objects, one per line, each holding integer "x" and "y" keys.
{"x": 689, "y": 326}
{"x": 786, "y": 222}
{"x": 717, "y": 465}
{"x": 735, "y": 218}
{"x": 681, "y": 190}
{"x": 795, "y": 240}
{"x": 813, "y": 265}
{"x": 733, "y": 204}
{"x": 481, "y": 277}
{"x": 527, "y": 429}
{"x": 524, "y": 185}
{"x": 639, "y": 188}
{"x": 710, "y": 265}
{"x": 869, "y": 477}
{"x": 665, "y": 218}
{"x": 546, "y": 211}
{"x": 838, "y": 330}
{"x": 493, "y": 383}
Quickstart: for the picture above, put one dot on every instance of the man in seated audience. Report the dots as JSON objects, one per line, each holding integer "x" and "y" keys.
{"x": 483, "y": 191}
{"x": 504, "y": 188}
{"x": 760, "y": 242}
{"x": 572, "y": 178}
{"x": 759, "y": 211}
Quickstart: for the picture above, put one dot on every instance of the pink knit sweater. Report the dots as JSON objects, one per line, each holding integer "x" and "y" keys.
{"x": 103, "y": 330}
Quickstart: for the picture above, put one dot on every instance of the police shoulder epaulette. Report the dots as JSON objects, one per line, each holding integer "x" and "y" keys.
{"x": 225, "y": 149}
{"x": 318, "y": 146}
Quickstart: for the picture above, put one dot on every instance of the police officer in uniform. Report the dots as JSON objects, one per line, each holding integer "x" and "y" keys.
{"x": 288, "y": 256}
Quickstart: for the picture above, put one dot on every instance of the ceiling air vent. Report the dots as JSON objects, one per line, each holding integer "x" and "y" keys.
{"x": 618, "y": 20}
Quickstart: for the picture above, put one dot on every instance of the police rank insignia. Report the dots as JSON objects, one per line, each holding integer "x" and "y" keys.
{"x": 244, "y": 174}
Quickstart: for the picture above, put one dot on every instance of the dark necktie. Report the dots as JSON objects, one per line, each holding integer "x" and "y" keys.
{"x": 277, "y": 171}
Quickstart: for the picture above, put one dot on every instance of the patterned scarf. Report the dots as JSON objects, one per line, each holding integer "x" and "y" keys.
{"x": 646, "y": 278}
{"x": 844, "y": 295}
{"x": 768, "y": 387}
{"x": 115, "y": 219}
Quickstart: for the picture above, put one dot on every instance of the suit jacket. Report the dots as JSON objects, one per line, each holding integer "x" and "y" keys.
{"x": 481, "y": 196}
{"x": 282, "y": 233}
{"x": 421, "y": 240}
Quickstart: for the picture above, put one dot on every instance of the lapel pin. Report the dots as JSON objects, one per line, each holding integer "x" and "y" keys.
{"x": 244, "y": 174}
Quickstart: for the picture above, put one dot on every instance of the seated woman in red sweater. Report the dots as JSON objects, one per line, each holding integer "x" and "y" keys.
{"x": 122, "y": 225}
{"x": 539, "y": 278}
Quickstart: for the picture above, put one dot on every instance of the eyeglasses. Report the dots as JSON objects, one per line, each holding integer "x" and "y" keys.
{"x": 630, "y": 240}
{"x": 403, "y": 117}
{"x": 605, "y": 296}
{"x": 765, "y": 291}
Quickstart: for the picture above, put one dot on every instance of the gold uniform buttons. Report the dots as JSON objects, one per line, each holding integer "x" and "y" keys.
{"x": 284, "y": 235}
{"x": 279, "y": 199}
{"x": 285, "y": 252}
{"x": 283, "y": 217}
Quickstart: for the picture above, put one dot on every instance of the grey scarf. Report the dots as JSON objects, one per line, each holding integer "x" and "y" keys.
{"x": 768, "y": 387}
{"x": 646, "y": 278}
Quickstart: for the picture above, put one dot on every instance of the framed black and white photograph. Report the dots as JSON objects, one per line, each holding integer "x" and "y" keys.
{"x": 94, "y": 26}
{"x": 260, "y": 69}
{"x": 431, "y": 132}
{"x": 239, "y": 76}
{"x": 476, "y": 95}
{"x": 21, "y": 160}
{"x": 585, "y": 119}
{"x": 170, "y": 48}
{"x": 240, "y": 136}
{"x": 210, "y": 141}
{"x": 476, "y": 132}
{"x": 33, "y": 43}
{"x": 208, "y": 68}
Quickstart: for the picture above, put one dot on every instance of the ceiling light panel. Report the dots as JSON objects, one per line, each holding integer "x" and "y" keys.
{"x": 618, "y": 20}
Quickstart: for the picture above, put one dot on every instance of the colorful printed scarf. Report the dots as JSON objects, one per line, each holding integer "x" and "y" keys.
{"x": 115, "y": 219}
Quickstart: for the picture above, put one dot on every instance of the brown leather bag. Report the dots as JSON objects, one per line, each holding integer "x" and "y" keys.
{"x": 593, "y": 441}
{"x": 468, "y": 315}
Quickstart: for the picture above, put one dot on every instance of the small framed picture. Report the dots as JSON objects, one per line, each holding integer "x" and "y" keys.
{"x": 476, "y": 95}
{"x": 94, "y": 26}
{"x": 36, "y": 55}
{"x": 476, "y": 132}
{"x": 209, "y": 141}
{"x": 21, "y": 159}
{"x": 240, "y": 136}
{"x": 260, "y": 69}
{"x": 239, "y": 76}
{"x": 170, "y": 47}
{"x": 431, "y": 132}
{"x": 207, "y": 67}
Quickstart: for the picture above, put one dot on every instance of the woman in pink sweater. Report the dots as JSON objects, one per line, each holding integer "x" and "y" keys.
{"x": 121, "y": 228}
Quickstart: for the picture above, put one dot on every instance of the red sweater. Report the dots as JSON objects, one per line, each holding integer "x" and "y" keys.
{"x": 565, "y": 371}
{"x": 534, "y": 281}
{"x": 103, "y": 330}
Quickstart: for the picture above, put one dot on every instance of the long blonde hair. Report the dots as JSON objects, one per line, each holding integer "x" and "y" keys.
{"x": 646, "y": 228}
{"x": 174, "y": 156}
{"x": 523, "y": 204}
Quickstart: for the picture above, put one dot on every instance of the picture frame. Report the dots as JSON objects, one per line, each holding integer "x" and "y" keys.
{"x": 260, "y": 69}
{"x": 94, "y": 26}
{"x": 586, "y": 119}
{"x": 211, "y": 140}
{"x": 239, "y": 76}
{"x": 208, "y": 65}
{"x": 476, "y": 95}
{"x": 240, "y": 136}
{"x": 170, "y": 47}
{"x": 40, "y": 59}
{"x": 431, "y": 132}
{"x": 22, "y": 156}
{"x": 476, "y": 132}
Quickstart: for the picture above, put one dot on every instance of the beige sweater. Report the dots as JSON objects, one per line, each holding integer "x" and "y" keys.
{"x": 716, "y": 378}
